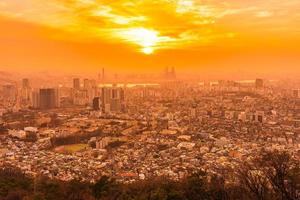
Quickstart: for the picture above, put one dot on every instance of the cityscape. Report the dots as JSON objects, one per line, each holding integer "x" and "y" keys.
{"x": 149, "y": 100}
{"x": 171, "y": 128}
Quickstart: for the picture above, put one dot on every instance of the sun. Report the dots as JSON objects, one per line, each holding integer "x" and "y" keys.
{"x": 148, "y": 50}
{"x": 146, "y": 39}
{"x": 143, "y": 37}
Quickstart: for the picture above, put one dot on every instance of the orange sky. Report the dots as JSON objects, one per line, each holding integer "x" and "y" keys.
{"x": 254, "y": 37}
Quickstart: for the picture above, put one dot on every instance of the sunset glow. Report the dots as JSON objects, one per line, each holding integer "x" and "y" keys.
{"x": 158, "y": 28}
{"x": 149, "y": 99}
{"x": 146, "y": 39}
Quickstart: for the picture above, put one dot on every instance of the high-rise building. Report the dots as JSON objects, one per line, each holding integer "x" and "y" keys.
{"x": 112, "y": 99}
{"x": 259, "y": 83}
{"x": 76, "y": 83}
{"x": 36, "y": 98}
{"x": 87, "y": 84}
{"x": 103, "y": 74}
{"x": 259, "y": 116}
{"x": 242, "y": 116}
{"x": 93, "y": 83}
{"x": 81, "y": 97}
{"x": 26, "y": 91}
{"x": 105, "y": 99}
{"x": 9, "y": 92}
{"x": 96, "y": 103}
{"x": 25, "y": 83}
{"x": 170, "y": 73}
{"x": 296, "y": 93}
{"x": 48, "y": 98}
{"x": 115, "y": 105}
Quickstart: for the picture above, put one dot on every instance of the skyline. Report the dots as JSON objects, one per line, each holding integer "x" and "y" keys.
{"x": 206, "y": 37}
{"x": 149, "y": 99}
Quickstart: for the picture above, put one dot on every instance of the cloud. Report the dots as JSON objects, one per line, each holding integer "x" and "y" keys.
{"x": 264, "y": 13}
{"x": 173, "y": 23}
{"x": 108, "y": 13}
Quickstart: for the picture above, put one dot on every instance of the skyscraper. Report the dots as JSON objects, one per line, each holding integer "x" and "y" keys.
{"x": 9, "y": 92}
{"x": 26, "y": 91}
{"x": 296, "y": 93}
{"x": 48, "y": 98}
{"x": 81, "y": 97}
{"x": 96, "y": 103}
{"x": 103, "y": 74}
{"x": 87, "y": 84}
{"x": 170, "y": 73}
{"x": 25, "y": 83}
{"x": 112, "y": 99}
{"x": 36, "y": 98}
{"x": 105, "y": 99}
{"x": 259, "y": 116}
{"x": 259, "y": 83}
{"x": 76, "y": 83}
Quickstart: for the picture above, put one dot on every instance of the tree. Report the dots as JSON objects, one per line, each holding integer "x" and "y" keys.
{"x": 252, "y": 181}
{"x": 13, "y": 182}
{"x": 48, "y": 189}
{"x": 76, "y": 190}
{"x": 102, "y": 187}
{"x": 273, "y": 175}
{"x": 195, "y": 186}
{"x": 283, "y": 173}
